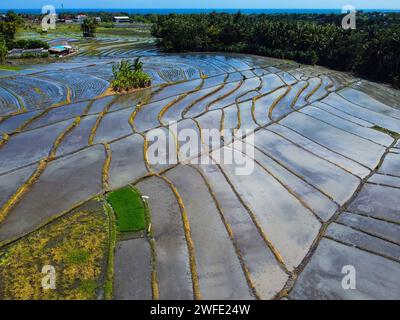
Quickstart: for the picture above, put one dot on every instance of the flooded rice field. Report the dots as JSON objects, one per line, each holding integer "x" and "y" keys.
{"x": 324, "y": 191}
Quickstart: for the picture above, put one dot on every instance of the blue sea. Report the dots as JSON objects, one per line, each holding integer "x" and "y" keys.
{"x": 205, "y": 10}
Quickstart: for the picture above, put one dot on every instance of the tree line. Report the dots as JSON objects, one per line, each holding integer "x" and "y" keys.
{"x": 8, "y": 29}
{"x": 372, "y": 50}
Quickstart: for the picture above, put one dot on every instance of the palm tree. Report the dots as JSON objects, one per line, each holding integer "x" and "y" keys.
{"x": 89, "y": 26}
{"x": 137, "y": 64}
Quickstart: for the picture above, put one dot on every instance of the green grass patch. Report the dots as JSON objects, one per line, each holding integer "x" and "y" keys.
{"x": 129, "y": 210}
{"x": 10, "y": 68}
{"x": 78, "y": 256}
{"x": 88, "y": 288}
{"x": 393, "y": 134}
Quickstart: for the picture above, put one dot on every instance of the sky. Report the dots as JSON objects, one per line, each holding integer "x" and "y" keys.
{"x": 190, "y": 4}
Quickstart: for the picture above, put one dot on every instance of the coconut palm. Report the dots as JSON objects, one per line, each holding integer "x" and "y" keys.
{"x": 89, "y": 26}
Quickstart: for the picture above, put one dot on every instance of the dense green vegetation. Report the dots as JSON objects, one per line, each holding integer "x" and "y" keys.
{"x": 32, "y": 55}
{"x": 7, "y": 30}
{"x": 129, "y": 210}
{"x": 89, "y": 26}
{"x": 372, "y": 50}
{"x": 129, "y": 76}
{"x": 3, "y": 50}
{"x": 27, "y": 44}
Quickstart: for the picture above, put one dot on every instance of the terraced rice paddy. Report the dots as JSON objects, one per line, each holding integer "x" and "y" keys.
{"x": 324, "y": 192}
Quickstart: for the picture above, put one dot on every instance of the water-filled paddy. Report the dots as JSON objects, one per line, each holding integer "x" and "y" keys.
{"x": 325, "y": 142}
